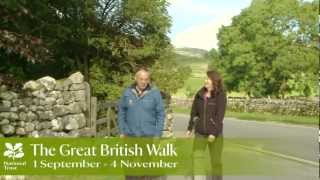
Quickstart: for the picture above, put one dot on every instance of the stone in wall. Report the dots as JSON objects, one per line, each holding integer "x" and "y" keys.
{"x": 45, "y": 107}
{"x": 299, "y": 107}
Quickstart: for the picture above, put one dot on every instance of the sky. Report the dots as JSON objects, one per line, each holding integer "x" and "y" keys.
{"x": 195, "y": 23}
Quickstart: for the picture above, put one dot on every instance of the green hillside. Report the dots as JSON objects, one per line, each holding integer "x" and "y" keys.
{"x": 197, "y": 61}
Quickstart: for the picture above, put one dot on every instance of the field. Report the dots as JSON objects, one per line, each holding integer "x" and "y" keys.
{"x": 199, "y": 67}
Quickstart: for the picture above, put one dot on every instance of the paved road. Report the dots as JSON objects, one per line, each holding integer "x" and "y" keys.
{"x": 296, "y": 145}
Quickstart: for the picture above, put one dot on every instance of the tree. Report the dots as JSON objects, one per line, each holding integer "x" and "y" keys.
{"x": 106, "y": 39}
{"x": 131, "y": 34}
{"x": 269, "y": 47}
{"x": 51, "y": 36}
{"x": 168, "y": 75}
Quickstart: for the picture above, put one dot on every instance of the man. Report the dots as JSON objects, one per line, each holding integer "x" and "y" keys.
{"x": 141, "y": 112}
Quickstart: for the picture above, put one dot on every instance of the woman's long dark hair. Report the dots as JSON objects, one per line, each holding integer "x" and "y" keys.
{"x": 217, "y": 81}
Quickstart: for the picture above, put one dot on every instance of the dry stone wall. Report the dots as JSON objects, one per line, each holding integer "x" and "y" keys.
{"x": 294, "y": 106}
{"x": 46, "y": 107}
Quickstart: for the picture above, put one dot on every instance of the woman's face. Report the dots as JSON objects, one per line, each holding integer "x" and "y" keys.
{"x": 208, "y": 84}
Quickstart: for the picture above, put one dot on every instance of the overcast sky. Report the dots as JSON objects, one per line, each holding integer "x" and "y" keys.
{"x": 195, "y": 23}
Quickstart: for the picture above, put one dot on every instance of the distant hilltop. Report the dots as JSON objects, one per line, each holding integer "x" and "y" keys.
{"x": 194, "y": 52}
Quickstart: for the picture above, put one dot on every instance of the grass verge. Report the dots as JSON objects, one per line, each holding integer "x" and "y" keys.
{"x": 264, "y": 116}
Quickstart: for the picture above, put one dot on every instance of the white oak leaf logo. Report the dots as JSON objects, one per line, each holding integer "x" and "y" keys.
{"x": 13, "y": 151}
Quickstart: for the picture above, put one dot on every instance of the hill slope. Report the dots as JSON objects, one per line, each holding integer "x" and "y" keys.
{"x": 197, "y": 60}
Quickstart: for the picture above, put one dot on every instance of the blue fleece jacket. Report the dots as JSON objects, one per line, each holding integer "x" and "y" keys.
{"x": 141, "y": 116}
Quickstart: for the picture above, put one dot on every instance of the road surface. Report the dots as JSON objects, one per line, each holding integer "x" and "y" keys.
{"x": 296, "y": 146}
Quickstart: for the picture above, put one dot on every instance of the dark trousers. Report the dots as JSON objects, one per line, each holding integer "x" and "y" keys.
{"x": 215, "y": 152}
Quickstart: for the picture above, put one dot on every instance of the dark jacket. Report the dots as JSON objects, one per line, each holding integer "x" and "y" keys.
{"x": 207, "y": 116}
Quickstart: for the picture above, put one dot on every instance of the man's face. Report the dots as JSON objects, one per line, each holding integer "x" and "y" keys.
{"x": 142, "y": 79}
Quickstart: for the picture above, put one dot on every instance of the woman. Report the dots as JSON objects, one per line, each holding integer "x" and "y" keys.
{"x": 206, "y": 120}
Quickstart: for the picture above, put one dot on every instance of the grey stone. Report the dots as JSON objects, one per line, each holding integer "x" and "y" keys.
{"x": 74, "y": 121}
{"x": 16, "y": 102}
{"x": 5, "y": 115}
{"x": 46, "y": 133}
{"x": 75, "y": 87}
{"x": 21, "y": 131}
{"x": 55, "y": 94}
{"x": 22, "y": 108}
{"x": 28, "y": 93}
{"x": 48, "y": 108}
{"x": 4, "y": 109}
{"x": 4, "y": 122}
{"x": 83, "y": 105}
{"x": 3, "y": 88}
{"x": 39, "y": 94}
{"x": 45, "y": 115}
{"x": 21, "y": 123}
{"x": 33, "y": 108}
{"x": 86, "y": 132}
{"x": 68, "y": 97}
{"x": 7, "y": 129}
{"x": 60, "y": 110}
{"x": 36, "y": 101}
{"x": 8, "y": 95}
{"x": 29, "y": 127}
{"x": 66, "y": 84}
{"x": 14, "y": 116}
{"x": 31, "y": 116}
{"x": 60, "y": 134}
{"x": 27, "y": 101}
{"x": 79, "y": 95}
{"x": 37, "y": 125}
{"x": 59, "y": 85}
{"x": 50, "y": 101}
{"x": 13, "y": 109}
{"x": 76, "y": 78}
{"x": 48, "y": 82}
{"x": 74, "y": 108}
{"x": 40, "y": 108}
{"x": 6, "y": 103}
{"x": 57, "y": 125}
{"x": 60, "y": 101}
{"x": 74, "y": 133}
{"x": 63, "y": 84}
{"x": 45, "y": 125}
{"x": 72, "y": 124}
{"x": 42, "y": 102}
{"x": 35, "y": 134}
{"x": 22, "y": 116}
{"x": 32, "y": 86}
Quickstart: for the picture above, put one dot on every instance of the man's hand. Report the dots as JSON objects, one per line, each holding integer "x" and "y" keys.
{"x": 189, "y": 134}
{"x": 122, "y": 135}
{"x": 211, "y": 138}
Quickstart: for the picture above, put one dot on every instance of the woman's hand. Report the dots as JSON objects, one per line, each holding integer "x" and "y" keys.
{"x": 211, "y": 138}
{"x": 189, "y": 134}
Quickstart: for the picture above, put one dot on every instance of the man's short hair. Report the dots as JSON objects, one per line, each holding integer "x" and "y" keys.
{"x": 142, "y": 70}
